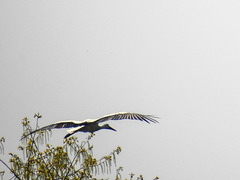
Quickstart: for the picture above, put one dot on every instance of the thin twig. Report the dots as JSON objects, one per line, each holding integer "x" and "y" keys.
{"x": 10, "y": 169}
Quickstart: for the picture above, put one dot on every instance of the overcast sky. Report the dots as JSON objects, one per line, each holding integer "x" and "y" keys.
{"x": 177, "y": 59}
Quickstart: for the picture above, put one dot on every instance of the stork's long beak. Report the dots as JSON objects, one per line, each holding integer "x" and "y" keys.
{"x": 112, "y": 129}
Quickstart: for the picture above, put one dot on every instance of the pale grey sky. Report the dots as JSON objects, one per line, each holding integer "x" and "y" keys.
{"x": 81, "y": 59}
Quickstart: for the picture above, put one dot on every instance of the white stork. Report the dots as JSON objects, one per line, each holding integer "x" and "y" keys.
{"x": 92, "y": 125}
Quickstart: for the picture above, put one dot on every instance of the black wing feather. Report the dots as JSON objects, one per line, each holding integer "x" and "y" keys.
{"x": 127, "y": 115}
{"x": 58, "y": 125}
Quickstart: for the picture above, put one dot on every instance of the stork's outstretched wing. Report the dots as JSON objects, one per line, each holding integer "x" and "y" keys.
{"x": 127, "y": 115}
{"x": 58, "y": 125}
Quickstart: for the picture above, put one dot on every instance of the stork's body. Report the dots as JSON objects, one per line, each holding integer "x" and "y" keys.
{"x": 92, "y": 125}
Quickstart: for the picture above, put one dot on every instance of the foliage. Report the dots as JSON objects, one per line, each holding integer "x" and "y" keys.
{"x": 72, "y": 160}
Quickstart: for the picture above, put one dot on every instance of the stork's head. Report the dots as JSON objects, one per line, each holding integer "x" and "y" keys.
{"x": 106, "y": 126}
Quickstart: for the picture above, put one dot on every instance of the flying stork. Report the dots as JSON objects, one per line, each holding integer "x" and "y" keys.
{"x": 92, "y": 125}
